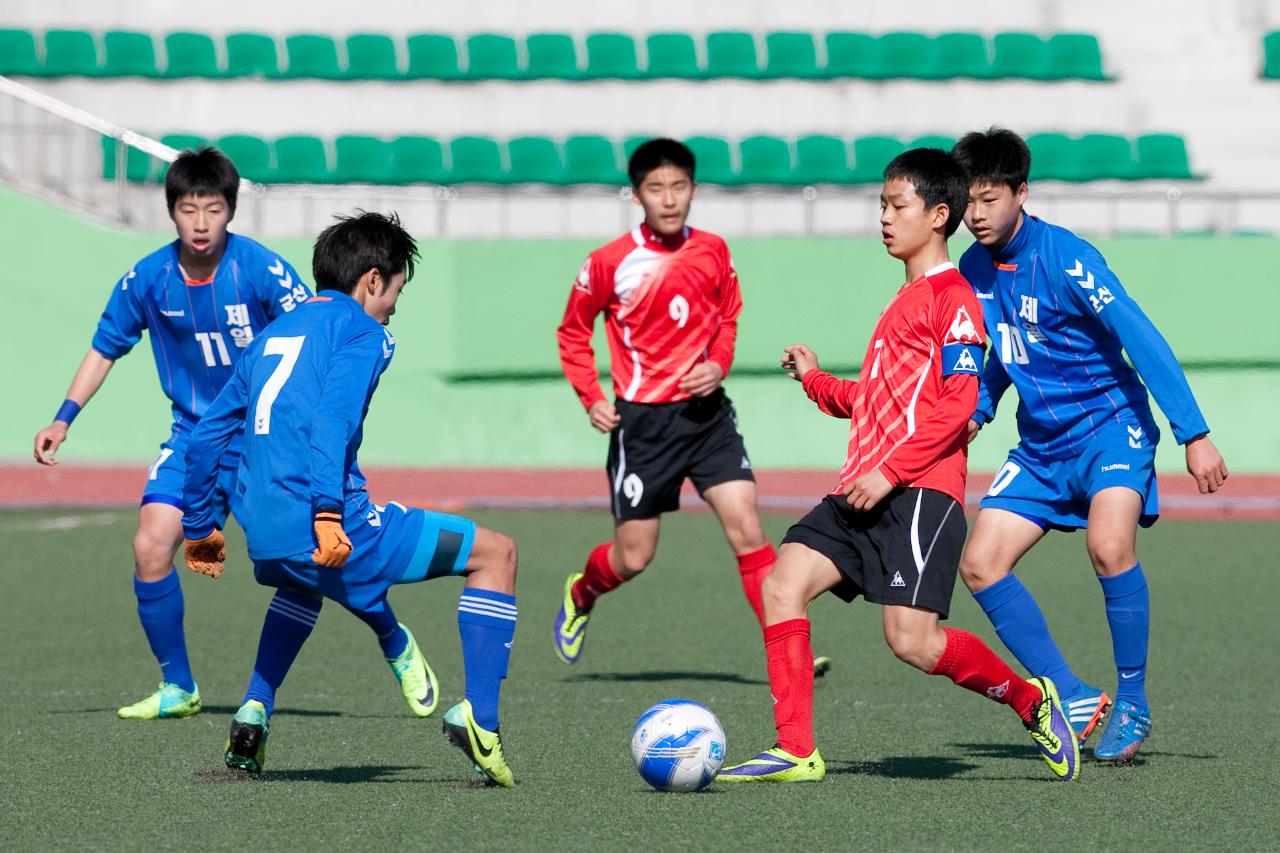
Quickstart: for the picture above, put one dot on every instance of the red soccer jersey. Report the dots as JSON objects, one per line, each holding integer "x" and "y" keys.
{"x": 912, "y": 402}
{"x": 667, "y": 310}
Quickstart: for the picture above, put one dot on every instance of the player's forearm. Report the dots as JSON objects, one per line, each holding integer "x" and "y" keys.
{"x": 833, "y": 395}
{"x": 89, "y": 377}
{"x": 943, "y": 430}
{"x": 1159, "y": 369}
{"x": 222, "y": 422}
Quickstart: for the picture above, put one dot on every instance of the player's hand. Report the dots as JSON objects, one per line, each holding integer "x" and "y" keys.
{"x": 208, "y": 555}
{"x": 703, "y": 380}
{"x": 48, "y": 440}
{"x": 974, "y": 427}
{"x": 332, "y": 545}
{"x": 868, "y": 490}
{"x": 604, "y": 417}
{"x": 798, "y": 360}
{"x": 1205, "y": 463}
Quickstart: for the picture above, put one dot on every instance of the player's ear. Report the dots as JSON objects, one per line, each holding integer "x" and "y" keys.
{"x": 941, "y": 213}
{"x": 1021, "y": 194}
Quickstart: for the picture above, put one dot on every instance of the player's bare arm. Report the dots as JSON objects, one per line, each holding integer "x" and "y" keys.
{"x": 703, "y": 379}
{"x": 798, "y": 360}
{"x": 1206, "y": 465}
{"x": 88, "y": 379}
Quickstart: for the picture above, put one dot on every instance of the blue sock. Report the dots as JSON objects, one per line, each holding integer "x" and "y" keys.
{"x": 382, "y": 621}
{"x": 1021, "y": 626}
{"x": 290, "y": 618}
{"x": 160, "y": 610}
{"x": 1129, "y": 614}
{"x": 487, "y": 623}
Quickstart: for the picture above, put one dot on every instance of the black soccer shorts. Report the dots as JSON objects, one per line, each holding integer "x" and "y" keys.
{"x": 658, "y": 445}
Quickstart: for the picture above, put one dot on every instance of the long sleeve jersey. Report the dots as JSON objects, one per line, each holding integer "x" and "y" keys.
{"x": 1060, "y": 324}
{"x": 667, "y": 310}
{"x": 910, "y": 406}
{"x": 299, "y": 396}
{"x": 198, "y": 329}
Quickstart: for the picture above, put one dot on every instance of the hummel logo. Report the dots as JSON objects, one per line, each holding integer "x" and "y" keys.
{"x": 1084, "y": 279}
{"x": 169, "y": 313}
{"x": 897, "y": 580}
{"x": 1135, "y": 437}
{"x": 998, "y": 691}
{"x": 986, "y": 296}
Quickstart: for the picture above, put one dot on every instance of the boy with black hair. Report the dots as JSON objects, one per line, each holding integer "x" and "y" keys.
{"x": 299, "y": 397}
{"x": 202, "y": 299}
{"x": 1087, "y": 438}
{"x": 671, "y": 300}
{"x": 892, "y": 529}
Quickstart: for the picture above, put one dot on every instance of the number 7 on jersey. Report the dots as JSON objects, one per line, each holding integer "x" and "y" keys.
{"x": 288, "y": 349}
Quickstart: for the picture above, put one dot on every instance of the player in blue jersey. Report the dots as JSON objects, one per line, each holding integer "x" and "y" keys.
{"x": 202, "y": 299}
{"x": 1061, "y": 324}
{"x": 299, "y": 397}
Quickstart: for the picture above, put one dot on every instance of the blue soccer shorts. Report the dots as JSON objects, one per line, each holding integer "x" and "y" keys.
{"x": 1055, "y": 493}
{"x": 167, "y": 473}
{"x": 391, "y": 545}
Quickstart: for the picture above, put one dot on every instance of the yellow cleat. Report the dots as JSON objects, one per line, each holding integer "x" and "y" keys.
{"x": 777, "y": 765}
{"x": 417, "y": 681}
{"x": 168, "y": 702}
{"x": 482, "y": 746}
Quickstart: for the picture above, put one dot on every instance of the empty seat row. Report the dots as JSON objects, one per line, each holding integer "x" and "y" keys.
{"x": 487, "y": 56}
{"x": 1271, "y": 55}
{"x": 814, "y": 159}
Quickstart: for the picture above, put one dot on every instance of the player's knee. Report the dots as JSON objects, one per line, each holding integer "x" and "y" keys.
{"x": 152, "y": 556}
{"x": 978, "y": 571}
{"x": 780, "y": 595}
{"x": 907, "y": 643}
{"x": 1111, "y": 556}
{"x": 746, "y": 536}
{"x": 635, "y": 558}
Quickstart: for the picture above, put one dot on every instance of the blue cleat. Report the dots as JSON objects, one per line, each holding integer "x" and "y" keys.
{"x": 1127, "y": 729}
{"x": 1085, "y": 709}
{"x": 1053, "y": 734}
{"x": 571, "y": 624}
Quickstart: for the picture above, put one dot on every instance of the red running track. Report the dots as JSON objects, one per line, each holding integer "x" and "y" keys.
{"x": 1255, "y": 497}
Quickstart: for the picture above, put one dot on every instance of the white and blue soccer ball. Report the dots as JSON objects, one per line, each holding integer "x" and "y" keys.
{"x": 678, "y": 745}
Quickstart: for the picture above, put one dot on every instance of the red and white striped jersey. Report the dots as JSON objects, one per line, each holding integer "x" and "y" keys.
{"x": 667, "y": 310}
{"x": 911, "y": 405}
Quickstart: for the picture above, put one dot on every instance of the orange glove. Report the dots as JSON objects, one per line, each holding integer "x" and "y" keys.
{"x": 207, "y": 555}
{"x": 332, "y": 545}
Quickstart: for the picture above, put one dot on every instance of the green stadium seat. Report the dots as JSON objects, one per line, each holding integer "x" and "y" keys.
{"x": 732, "y": 54}
{"x": 1021, "y": 55}
{"x": 933, "y": 140}
{"x": 251, "y": 154}
{"x": 1271, "y": 55}
{"x": 672, "y": 55}
{"x": 492, "y": 57}
{"x": 871, "y": 154}
{"x": 822, "y": 160}
{"x": 70, "y": 53}
{"x": 301, "y": 159}
{"x": 180, "y": 141}
{"x": 611, "y": 55}
{"x": 312, "y": 56}
{"x": 963, "y": 55}
{"x": 765, "y": 160}
{"x": 433, "y": 56}
{"x": 907, "y": 55}
{"x": 790, "y": 55}
{"x": 476, "y": 160}
{"x": 534, "y": 160}
{"x": 128, "y": 54}
{"x": 139, "y": 166}
{"x": 362, "y": 160}
{"x": 190, "y": 55}
{"x": 1164, "y": 155}
{"x": 418, "y": 160}
{"x": 551, "y": 56}
{"x": 371, "y": 56}
{"x": 631, "y": 143}
{"x": 592, "y": 160}
{"x": 252, "y": 55}
{"x": 1053, "y": 157}
{"x": 1075, "y": 56}
{"x": 18, "y": 53}
{"x": 713, "y": 164}
{"x": 1102, "y": 156}
{"x": 851, "y": 55}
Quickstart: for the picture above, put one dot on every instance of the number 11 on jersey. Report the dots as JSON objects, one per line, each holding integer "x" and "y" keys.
{"x": 288, "y": 349}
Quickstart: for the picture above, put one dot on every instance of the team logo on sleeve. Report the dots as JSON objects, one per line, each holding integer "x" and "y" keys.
{"x": 1100, "y": 296}
{"x": 966, "y": 363}
{"x": 962, "y": 330}
{"x": 388, "y": 344}
{"x": 583, "y": 281}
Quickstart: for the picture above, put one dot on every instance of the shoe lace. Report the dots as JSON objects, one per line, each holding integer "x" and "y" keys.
{"x": 1042, "y": 733}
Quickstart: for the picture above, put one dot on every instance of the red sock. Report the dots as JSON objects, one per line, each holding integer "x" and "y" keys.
{"x": 970, "y": 663}
{"x": 791, "y": 680}
{"x": 598, "y": 578}
{"x": 754, "y": 566}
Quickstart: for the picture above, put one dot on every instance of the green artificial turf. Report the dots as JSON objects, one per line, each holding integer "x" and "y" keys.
{"x": 913, "y": 762}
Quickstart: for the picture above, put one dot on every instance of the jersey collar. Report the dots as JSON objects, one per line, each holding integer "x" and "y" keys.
{"x": 645, "y": 236}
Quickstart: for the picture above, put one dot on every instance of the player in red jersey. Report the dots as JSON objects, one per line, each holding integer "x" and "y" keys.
{"x": 671, "y": 301}
{"x": 893, "y": 528}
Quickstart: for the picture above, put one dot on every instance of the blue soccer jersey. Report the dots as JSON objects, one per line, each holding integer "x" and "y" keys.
{"x": 1060, "y": 324}
{"x": 198, "y": 330}
{"x": 299, "y": 395}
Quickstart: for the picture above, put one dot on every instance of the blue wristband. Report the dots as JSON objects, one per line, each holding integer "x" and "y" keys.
{"x": 67, "y": 412}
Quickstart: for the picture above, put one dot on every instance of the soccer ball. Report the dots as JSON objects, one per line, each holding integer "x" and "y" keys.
{"x": 678, "y": 745}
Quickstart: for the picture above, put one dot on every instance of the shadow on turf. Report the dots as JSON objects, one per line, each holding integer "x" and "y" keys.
{"x": 670, "y": 675}
{"x": 376, "y": 773}
{"x": 1011, "y": 750}
{"x": 904, "y": 767}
